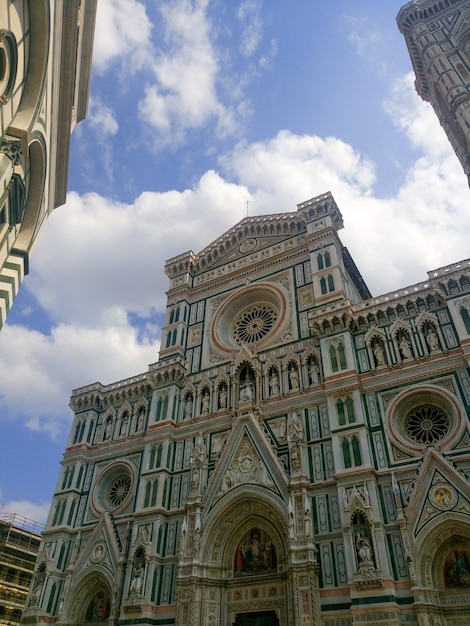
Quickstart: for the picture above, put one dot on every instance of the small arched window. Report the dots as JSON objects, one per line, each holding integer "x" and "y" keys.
{"x": 90, "y": 431}
{"x": 346, "y": 453}
{"x": 153, "y": 500}
{"x": 51, "y": 598}
{"x": 71, "y": 512}
{"x": 333, "y": 359}
{"x": 356, "y": 449}
{"x": 152, "y": 457}
{"x": 77, "y": 432}
{"x": 466, "y": 319}
{"x": 148, "y": 488}
{"x": 340, "y": 411}
{"x": 66, "y": 476}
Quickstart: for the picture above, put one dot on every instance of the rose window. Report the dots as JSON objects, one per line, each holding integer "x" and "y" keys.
{"x": 119, "y": 489}
{"x": 254, "y": 324}
{"x": 426, "y": 424}
{"x": 254, "y": 315}
{"x": 113, "y": 487}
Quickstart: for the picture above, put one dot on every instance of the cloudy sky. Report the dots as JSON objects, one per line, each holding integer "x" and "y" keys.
{"x": 198, "y": 107}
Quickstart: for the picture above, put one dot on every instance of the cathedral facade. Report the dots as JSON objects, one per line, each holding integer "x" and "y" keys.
{"x": 299, "y": 454}
{"x": 437, "y": 33}
{"x": 45, "y": 64}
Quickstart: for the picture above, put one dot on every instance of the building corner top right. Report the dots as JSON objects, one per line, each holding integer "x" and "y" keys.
{"x": 437, "y": 34}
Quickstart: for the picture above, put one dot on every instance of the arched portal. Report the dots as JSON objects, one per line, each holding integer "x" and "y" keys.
{"x": 243, "y": 563}
{"x": 443, "y": 569}
{"x": 91, "y": 603}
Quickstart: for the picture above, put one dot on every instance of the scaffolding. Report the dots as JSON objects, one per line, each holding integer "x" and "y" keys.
{"x": 20, "y": 538}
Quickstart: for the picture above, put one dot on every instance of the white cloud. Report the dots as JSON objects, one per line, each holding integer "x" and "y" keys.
{"x": 249, "y": 14}
{"x": 38, "y": 372}
{"x": 416, "y": 118}
{"x": 99, "y": 261}
{"x": 363, "y": 33}
{"x": 102, "y": 119}
{"x": 35, "y": 512}
{"x": 186, "y": 71}
{"x": 97, "y": 255}
{"x": 122, "y": 33}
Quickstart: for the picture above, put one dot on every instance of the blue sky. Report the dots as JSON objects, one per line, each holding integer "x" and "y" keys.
{"x": 198, "y": 107}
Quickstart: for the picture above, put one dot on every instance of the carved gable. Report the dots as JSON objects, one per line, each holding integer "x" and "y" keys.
{"x": 101, "y": 549}
{"x": 247, "y": 459}
{"x": 440, "y": 491}
{"x": 249, "y": 237}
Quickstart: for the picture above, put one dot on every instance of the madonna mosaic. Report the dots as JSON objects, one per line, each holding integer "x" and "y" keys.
{"x": 457, "y": 568}
{"x": 256, "y": 554}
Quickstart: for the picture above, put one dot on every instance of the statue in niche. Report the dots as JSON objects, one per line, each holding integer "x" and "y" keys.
{"x": 406, "y": 351}
{"x": 256, "y": 554}
{"x": 188, "y": 406}
{"x": 197, "y": 459}
{"x": 247, "y": 385}
{"x": 124, "y": 422}
{"x": 363, "y": 542}
{"x": 295, "y": 431}
{"x": 223, "y": 397}
{"x": 199, "y": 450}
{"x": 364, "y": 550}
{"x": 295, "y": 435}
{"x": 432, "y": 340}
{"x": 313, "y": 372}
{"x": 39, "y": 586}
{"x": 246, "y": 391}
{"x": 205, "y": 402}
{"x": 379, "y": 354}
{"x": 137, "y": 581}
{"x": 274, "y": 383}
{"x": 457, "y": 568}
{"x": 293, "y": 377}
{"x": 108, "y": 429}
{"x": 140, "y": 420}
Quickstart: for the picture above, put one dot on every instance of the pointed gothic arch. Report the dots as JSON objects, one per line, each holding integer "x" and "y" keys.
{"x": 252, "y": 520}
{"x": 442, "y": 565}
{"x": 92, "y": 600}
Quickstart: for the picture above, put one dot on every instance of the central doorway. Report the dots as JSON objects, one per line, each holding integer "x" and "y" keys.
{"x": 265, "y": 618}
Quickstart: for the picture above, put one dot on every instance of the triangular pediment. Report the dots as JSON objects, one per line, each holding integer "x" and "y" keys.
{"x": 458, "y": 23}
{"x": 248, "y": 237}
{"x": 99, "y": 549}
{"x": 439, "y": 492}
{"x": 247, "y": 459}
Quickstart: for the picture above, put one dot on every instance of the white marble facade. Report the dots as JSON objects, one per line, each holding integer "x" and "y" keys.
{"x": 299, "y": 454}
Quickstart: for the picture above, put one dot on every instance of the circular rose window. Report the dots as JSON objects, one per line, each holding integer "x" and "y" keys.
{"x": 253, "y": 324}
{"x": 119, "y": 490}
{"x": 426, "y": 424}
{"x": 256, "y": 314}
{"x": 113, "y": 487}
{"x": 423, "y": 416}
